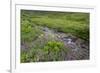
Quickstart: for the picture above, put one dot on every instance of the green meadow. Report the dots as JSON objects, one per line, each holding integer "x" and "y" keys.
{"x": 75, "y": 23}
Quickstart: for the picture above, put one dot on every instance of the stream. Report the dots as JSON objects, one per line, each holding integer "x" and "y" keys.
{"x": 69, "y": 40}
{"x": 78, "y": 47}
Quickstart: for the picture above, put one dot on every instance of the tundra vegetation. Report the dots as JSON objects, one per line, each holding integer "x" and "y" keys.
{"x": 45, "y": 35}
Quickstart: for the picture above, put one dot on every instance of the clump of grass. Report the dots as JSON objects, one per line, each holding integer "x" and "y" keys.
{"x": 28, "y": 32}
{"x": 52, "y": 50}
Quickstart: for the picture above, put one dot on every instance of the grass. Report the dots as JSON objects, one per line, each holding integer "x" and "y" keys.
{"x": 29, "y": 32}
{"x": 70, "y": 22}
{"x": 75, "y": 23}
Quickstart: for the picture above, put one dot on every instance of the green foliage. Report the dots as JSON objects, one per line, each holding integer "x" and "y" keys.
{"x": 51, "y": 51}
{"x": 53, "y": 46}
{"x": 28, "y": 32}
{"x": 69, "y": 22}
{"x": 75, "y": 23}
{"x": 24, "y": 57}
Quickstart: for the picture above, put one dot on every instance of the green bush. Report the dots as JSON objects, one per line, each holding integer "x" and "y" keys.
{"x": 53, "y": 49}
{"x": 28, "y": 32}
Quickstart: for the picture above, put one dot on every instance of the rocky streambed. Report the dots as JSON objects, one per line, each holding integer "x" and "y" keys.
{"x": 78, "y": 48}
